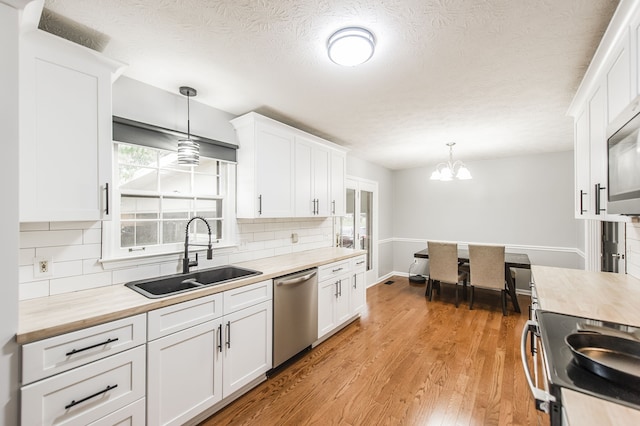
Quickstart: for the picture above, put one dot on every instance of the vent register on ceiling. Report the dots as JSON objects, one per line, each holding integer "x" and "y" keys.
{"x": 135, "y": 132}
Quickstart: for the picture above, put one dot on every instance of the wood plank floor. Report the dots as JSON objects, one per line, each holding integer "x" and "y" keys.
{"x": 406, "y": 361}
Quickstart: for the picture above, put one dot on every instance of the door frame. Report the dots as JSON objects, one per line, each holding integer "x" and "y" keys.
{"x": 361, "y": 184}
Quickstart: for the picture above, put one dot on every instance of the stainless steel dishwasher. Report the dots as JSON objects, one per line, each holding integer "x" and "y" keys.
{"x": 295, "y": 314}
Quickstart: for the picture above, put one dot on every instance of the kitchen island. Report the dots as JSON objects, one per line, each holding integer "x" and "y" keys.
{"x": 600, "y": 296}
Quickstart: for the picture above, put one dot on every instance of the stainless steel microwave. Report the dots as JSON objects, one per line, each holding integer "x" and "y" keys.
{"x": 623, "y": 152}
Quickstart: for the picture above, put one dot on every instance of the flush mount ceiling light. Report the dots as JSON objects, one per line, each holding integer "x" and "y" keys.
{"x": 450, "y": 169}
{"x": 188, "y": 150}
{"x": 351, "y": 46}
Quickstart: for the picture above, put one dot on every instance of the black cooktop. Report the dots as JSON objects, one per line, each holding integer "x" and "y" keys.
{"x": 565, "y": 372}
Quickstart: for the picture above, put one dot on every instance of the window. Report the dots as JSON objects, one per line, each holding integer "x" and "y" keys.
{"x": 155, "y": 197}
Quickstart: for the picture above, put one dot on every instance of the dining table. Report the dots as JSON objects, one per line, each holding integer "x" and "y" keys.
{"x": 511, "y": 260}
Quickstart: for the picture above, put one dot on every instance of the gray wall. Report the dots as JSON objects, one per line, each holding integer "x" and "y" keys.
{"x": 9, "y": 365}
{"x": 525, "y": 203}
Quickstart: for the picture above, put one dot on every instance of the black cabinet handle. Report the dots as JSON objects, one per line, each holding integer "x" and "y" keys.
{"x": 355, "y": 282}
{"x": 582, "y": 194}
{"x": 106, "y": 342}
{"x": 336, "y": 289}
{"x": 260, "y": 204}
{"x": 106, "y": 190}
{"x": 333, "y": 207}
{"x": 598, "y": 202}
{"x": 228, "y": 334}
{"x": 220, "y": 338}
{"x": 74, "y": 402}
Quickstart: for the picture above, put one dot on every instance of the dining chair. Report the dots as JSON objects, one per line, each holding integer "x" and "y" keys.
{"x": 443, "y": 267}
{"x": 486, "y": 265}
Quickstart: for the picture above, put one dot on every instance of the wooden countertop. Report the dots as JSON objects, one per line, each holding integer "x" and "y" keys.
{"x": 585, "y": 410}
{"x": 49, "y": 316}
{"x": 598, "y": 295}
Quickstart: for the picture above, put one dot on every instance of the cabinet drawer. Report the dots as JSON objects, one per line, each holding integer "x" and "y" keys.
{"x": 88, "y": 393}
{"x": 333, "y": 269}
{"x": 242, "y": 297}
{"x": 131, "y": 415}
{"x": 164, "y": 321}
{"x": 358, "y": 264}
{"x": 54, "y": 355}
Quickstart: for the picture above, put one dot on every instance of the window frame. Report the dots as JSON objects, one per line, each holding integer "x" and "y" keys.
{"x": 111, "y": 250}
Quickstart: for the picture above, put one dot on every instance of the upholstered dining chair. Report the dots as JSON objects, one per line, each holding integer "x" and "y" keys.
{"x": 443, "y": 267}
{"x": 486, "y": 264}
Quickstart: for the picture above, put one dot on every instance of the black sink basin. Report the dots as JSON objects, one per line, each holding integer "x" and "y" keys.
{"x": 173, "y": 284}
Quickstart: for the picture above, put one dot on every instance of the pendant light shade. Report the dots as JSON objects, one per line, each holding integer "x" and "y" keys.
{"x": 351, "y": 46}
{"x": 188, "y": 150}
{"x": 451, "y": 170}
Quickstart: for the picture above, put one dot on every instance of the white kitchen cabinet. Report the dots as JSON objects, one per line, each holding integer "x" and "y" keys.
{"x": 358, "y": 297}
{"x": 312, "y": 162}
{"x": 131, "y": 415}
{"x": 618, "y": 79}
{"x": 285, "y": 172}
{"x": 88, "y": 393}
{"x": 265, "y": 170}
{"x": 203, "y": 350}
{"x": 335, "y": 308}
{"x": 582, "y": 162}
{"x": 598, "y": 152}
{"x": 338, "y": 188}
{"x": 65, "y": 130}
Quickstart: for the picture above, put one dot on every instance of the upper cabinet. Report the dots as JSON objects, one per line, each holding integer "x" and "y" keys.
{"x": 65, "y": 130}
{"x": 285, "y": 172}
{"x": 609, "y": 85}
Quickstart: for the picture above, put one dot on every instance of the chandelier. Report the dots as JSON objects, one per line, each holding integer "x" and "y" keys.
{"x": 450, "y": 169}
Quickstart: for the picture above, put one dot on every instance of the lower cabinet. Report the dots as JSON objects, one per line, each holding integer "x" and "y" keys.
{"x": 341, "y": 294}
{"x": 196, "y": 366}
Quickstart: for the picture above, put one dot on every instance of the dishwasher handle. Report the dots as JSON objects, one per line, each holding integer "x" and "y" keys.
{"x": 297, "y": 280}
{"x": 542, "y": 397}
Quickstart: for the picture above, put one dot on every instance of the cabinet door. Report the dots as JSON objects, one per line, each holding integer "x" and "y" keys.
{"x": 321, "y": 181}
{"x": 275, "y": 171}
{"x": 598, "y": 152}
{"x": 582, "y": 162}
{"x": 184, "y": 374}
{"x": 304, "y": 198}
{"x": 327, "y": 295}
{"x": 65, "y": 131}
{"x": 619, "y": 81}
{"x": 248, "y": 344}
{"x": 358, "y": 292}
{"x": 338, "y": 175}
{"x": 343, "y": 302}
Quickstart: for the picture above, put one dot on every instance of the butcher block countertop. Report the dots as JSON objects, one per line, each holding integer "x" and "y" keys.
{"x": 602, "y": 296}
{"x": 599, "y": 295}
{"x": 50, "y": 316}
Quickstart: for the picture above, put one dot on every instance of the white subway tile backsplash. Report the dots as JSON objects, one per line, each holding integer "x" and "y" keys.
{"x": 122, "y": 276}
{"x": 74, "y": 225}
{"x": 33, "y": 290}
{"x": 80, "y": 282}
{"x": 77, "y": 252}
{"x": 26, "y": 256}
{"x": 75, "y": 248}
{"x": 92, "y": 236}
{"x": 50, "y": 238}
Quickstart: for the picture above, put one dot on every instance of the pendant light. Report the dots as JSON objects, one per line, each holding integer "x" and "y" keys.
{"x": 450, "y": 169}
{"x": 188, "y": 150}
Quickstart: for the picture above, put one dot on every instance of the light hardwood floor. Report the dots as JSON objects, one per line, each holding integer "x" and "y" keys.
{"x": 406, "y": 361}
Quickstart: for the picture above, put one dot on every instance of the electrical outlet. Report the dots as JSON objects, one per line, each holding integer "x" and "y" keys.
{"x": 42, "y": 267}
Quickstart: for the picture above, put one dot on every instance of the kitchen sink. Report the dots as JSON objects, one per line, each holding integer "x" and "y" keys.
{"x": 173, "y": 284}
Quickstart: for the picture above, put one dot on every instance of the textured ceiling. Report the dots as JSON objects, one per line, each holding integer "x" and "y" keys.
{"x": 494, "y": 76}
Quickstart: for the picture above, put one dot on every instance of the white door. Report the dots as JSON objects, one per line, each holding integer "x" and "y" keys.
{"x": 343, "y": 302}
{"x": 359, "y": 227}
{"x": 327, "y": 294}
{"x": 358, "y": 291}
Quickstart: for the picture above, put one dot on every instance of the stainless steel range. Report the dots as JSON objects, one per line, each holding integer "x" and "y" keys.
{"x": 560, "y": 369}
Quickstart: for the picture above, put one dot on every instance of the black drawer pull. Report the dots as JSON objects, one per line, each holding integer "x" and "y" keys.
{"x": 74, "y": 402}
{"x": 106, "y": 342}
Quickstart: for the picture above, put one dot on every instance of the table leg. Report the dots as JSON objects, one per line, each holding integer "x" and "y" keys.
{"x": 512, "y": 288}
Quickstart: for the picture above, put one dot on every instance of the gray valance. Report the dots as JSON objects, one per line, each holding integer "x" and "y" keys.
{"x": 135, "y": 132}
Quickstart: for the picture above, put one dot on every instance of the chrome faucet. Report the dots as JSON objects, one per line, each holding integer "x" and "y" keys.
{"x": 186, "y": 263}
